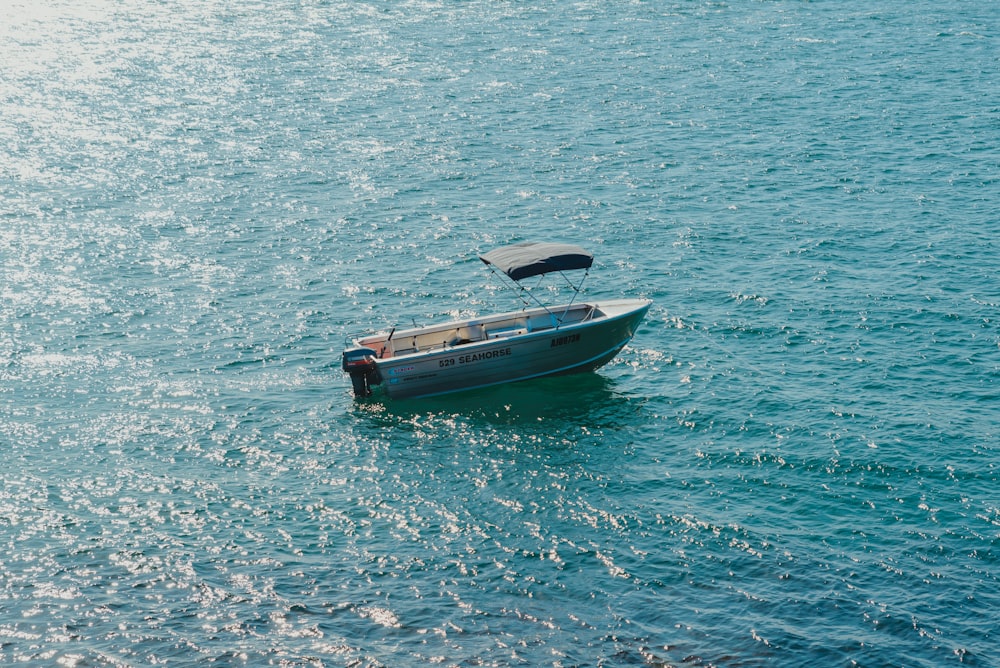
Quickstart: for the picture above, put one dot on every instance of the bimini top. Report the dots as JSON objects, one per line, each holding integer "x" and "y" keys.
{"x": 533, "y": 258}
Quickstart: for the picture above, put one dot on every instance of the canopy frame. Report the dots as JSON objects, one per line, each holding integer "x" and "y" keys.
{"x": 528, "y": 259}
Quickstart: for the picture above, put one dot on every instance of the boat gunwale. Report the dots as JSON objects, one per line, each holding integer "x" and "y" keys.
{"x": 445, "y": 350}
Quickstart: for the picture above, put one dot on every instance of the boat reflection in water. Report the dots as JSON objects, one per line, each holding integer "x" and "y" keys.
{"x": 503, "y": 348}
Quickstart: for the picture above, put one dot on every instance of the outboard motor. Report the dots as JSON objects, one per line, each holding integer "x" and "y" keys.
{"x": 360, "y": 363}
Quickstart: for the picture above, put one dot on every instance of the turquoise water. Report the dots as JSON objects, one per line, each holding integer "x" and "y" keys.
{"x": 795, "y": 462}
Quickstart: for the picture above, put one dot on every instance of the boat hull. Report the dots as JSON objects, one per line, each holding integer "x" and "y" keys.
{"x": 565, "y": 349}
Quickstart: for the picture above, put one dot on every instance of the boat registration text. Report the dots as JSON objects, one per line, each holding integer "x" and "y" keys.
{"x": 474, "y": 357}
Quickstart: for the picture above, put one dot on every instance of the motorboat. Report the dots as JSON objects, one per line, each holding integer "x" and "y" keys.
{"x": 537, "y": 340}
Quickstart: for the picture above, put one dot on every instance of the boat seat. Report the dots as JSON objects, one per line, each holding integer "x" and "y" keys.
{"x": 504, "y": 333}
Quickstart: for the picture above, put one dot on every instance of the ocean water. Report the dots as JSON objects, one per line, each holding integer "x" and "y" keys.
{"x": 794, "y": 463}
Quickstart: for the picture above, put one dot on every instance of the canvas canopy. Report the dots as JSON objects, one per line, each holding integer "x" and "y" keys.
{"x": 533, "y": 258}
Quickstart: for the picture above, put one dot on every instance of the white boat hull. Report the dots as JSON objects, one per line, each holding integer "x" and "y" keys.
{"x": 503, "y": 348}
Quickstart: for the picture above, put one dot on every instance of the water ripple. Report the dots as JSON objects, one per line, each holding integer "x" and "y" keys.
{"x": 793, "y": 463}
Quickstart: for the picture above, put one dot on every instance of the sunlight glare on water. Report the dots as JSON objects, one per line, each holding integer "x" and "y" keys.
{"x": 793, "y": 463}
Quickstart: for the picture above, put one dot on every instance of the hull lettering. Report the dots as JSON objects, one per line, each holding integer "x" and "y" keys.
{"x": 563, "y": 340}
